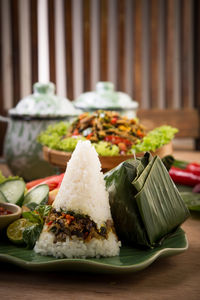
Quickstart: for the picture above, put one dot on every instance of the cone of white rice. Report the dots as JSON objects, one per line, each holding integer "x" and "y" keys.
{"x": 80, "y": 222}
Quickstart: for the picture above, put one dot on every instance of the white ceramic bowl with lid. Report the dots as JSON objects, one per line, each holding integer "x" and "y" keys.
{"x": 106, "y": 98}
{"x": 44, "y": 103}
{"x": 32, "y": 115}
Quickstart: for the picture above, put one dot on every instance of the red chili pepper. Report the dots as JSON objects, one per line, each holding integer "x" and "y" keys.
{"x": 184, "y": 177}
{"x": 193, "y": 168}
{"x": 75, "y": 132}
{"x": 196, "y": 188}
{"x": 116, "y": 140}
{"x": 140, "y": 133}
{"x": 89, "y": 136}
{"x": 113, "y": 120}
{"x": 50, "y": 222}
{"x": 51, "y": 181}
{"x": 122, "y": 147}
{"x": 86, "y": 234}
{"x": 35, "y": 182}
{"x": 69, "y": 218}
{"x": 59, "y": 184}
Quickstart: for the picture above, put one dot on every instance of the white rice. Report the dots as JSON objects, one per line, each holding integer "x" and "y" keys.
{"x": 76, "y": 247}
{"x": 83, "y": 186}
{"x": 82, "y": 191}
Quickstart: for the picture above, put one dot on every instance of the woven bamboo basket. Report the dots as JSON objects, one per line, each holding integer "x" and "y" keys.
{"x": 60, "y": 158}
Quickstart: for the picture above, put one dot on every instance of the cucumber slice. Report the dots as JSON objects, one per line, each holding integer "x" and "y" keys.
{"x": 13, "y": 190}
{"x": 38, "y": 195}
{"x": 2, "y": 198}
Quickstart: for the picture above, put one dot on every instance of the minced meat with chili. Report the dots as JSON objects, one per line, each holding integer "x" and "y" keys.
{"x": 68, "y": 224}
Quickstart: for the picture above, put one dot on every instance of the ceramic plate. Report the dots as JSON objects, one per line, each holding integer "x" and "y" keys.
{"x": 129, "y": 260}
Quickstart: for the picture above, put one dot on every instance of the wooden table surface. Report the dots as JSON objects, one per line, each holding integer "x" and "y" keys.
{"x": 175, "y": 277}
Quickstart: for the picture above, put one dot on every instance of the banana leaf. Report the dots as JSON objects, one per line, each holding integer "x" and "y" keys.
{"x": 166, "y": 209}
{"x": 192, "y": 200}
{"x": 124, "y": 211}
{"x": 145, "y": 204}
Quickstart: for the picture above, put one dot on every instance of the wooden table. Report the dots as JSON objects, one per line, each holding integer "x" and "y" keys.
{"x": 176, "y": 277}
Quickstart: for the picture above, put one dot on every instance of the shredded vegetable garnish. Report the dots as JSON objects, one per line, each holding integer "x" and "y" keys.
{"x": 110, "y": 127}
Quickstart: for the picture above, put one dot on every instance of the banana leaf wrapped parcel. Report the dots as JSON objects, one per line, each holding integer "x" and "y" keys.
{"x": 145, "y": 204}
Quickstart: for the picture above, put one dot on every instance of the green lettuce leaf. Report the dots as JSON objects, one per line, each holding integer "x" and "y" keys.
{"x": 106, "y": 149}
{"x": 155, "y": 139}
{"x": 53, "y": 135}
{"x": 3, "y": 178}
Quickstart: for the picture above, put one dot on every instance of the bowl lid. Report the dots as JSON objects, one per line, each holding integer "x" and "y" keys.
{"x": 105, "y": 97}
{"x": 44, "y": 103}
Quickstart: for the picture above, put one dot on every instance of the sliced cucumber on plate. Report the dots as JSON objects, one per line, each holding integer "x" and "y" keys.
{"x": 13, "y": 191}
{"x": 37, "y": 196}
{"x": 2, "y": 198}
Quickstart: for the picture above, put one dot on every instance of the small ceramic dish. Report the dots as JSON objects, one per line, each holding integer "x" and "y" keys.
{"x": 5, "y": 220}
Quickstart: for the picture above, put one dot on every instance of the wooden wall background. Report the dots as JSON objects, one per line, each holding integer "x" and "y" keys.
{"x": 147, "y": 48}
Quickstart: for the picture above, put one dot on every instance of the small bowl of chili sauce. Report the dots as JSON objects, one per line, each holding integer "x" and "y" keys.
{"x": 4, "y": 211}
{"x": 8, "y": 213}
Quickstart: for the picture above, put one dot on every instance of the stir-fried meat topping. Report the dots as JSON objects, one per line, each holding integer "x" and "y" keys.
{"x": 64, "y": 224}
{"x": 108, "y": 126}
